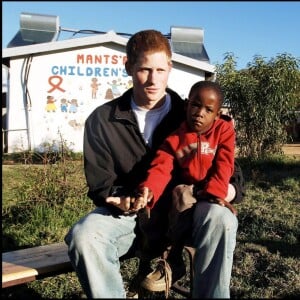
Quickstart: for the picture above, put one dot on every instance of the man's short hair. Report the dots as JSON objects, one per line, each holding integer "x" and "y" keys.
{"x": 147, "y": 41}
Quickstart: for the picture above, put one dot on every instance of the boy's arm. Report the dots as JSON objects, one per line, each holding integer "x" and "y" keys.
{"x": 160, "y": 173}
{"x": 216, "y": 189}
{"x": 223, "y": 164}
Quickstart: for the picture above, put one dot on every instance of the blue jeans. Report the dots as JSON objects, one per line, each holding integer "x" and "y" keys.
{"x": 214, "y": 237}
{"x": 97, "y": 241}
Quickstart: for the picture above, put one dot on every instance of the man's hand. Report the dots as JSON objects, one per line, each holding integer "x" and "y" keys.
{"x": 132, "y": 204}
{"x": 122, "y": 202}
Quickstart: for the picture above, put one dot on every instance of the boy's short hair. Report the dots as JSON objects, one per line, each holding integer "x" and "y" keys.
{"x": 147, "y": 41}
{"x": 207, "y": 84}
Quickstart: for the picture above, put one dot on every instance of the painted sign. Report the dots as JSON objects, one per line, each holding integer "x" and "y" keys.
{"x": 59, "y": 90}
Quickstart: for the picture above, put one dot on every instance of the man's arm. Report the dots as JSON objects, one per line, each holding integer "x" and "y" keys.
{"x": 98, "y": 163}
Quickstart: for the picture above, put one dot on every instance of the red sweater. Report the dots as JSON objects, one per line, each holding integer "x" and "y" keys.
{"x": 205, "y": 157}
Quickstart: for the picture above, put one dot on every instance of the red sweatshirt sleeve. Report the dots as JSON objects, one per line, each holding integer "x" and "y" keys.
{"x": 217, "y": 184}
{"x": 160, "y": 171}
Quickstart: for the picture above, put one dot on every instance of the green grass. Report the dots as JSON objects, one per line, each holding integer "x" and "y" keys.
{"x": 41, "y": 202}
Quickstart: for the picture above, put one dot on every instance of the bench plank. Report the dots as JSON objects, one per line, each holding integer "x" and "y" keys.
{"x": 25, "y": 265}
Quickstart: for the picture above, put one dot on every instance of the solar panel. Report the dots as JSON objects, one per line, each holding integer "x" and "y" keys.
{"x": 34, "y": 29}
{"x": 188, "y": 41}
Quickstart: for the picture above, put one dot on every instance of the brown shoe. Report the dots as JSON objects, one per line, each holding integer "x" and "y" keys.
{"x": 164, "y": 276}
{"x": 160, "y": 279}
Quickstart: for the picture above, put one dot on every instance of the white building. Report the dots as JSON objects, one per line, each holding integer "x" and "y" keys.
{"x": 49, "y": 88}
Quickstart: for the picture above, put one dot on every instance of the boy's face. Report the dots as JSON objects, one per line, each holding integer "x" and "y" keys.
{"x": 203, "y": 108}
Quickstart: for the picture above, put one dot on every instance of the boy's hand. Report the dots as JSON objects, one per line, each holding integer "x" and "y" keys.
{"x": 143, "y": 196}
{"x": 223, "y": 202}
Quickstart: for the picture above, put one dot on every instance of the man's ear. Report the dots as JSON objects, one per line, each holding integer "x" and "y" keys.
{"x": 128, "y": 68}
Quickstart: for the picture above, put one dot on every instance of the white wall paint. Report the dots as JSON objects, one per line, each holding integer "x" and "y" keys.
{"x": 68, "y": 75}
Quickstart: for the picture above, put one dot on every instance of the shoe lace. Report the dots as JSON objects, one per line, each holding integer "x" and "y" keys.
{"x": 165, "y": 270}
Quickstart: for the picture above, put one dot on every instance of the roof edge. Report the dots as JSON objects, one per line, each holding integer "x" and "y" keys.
{"x": 110, "y": 36}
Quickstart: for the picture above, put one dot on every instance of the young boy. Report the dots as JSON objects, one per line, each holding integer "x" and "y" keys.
{"x": 201, "y": 151}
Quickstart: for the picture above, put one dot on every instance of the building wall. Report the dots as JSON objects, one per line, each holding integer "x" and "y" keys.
{"x": 51, "y": 95}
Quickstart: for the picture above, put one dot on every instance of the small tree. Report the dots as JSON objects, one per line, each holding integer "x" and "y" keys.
{"x": 261, "y": 99}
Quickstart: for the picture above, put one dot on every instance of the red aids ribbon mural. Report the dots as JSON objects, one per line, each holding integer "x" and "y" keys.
{"x": 55, "y": 81}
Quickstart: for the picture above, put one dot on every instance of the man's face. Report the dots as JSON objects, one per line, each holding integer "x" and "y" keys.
{"x": 150, "y": 78}
{"x": 202, "y": 109}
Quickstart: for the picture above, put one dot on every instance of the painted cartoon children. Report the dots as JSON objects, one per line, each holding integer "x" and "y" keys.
{"x": 94, "y": 86}
{"x": 50, "y": 106}
{"x": 64, "y": 105}
{"x": 73, "y": 106}
{"x": 114, "y": 87}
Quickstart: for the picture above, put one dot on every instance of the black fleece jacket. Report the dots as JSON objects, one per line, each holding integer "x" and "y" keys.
{"x": 115, "y": 154}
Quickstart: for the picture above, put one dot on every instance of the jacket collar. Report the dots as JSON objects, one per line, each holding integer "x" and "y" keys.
{"x": 123, "y": 107}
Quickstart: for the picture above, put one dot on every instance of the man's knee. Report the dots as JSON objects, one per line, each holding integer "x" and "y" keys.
{"x": 84, "y": 233}
{"x": 77, "y": 237}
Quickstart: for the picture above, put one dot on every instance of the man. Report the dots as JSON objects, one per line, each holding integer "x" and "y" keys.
{"x": 120, "y": 140}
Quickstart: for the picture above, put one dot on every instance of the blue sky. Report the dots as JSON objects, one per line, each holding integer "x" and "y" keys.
{"x": 244, "y": 28}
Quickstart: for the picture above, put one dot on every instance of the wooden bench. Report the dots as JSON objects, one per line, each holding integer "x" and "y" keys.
{"x": 26, "y": 265}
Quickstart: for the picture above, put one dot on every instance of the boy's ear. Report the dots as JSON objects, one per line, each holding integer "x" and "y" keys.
{"x": 218, "y": 114}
